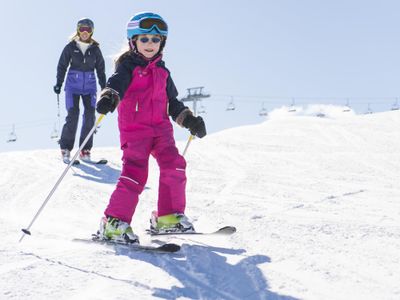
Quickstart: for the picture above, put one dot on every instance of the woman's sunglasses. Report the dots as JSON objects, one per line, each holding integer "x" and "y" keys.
{"x": 85, "y": 28}
{"x": 145, "y": 40}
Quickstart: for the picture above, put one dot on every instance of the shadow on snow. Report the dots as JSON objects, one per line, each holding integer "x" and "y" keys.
{"x": 205, "y": 273}
{"x": 98, "y": 173}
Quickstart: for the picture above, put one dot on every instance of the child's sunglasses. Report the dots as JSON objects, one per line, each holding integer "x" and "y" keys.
{"x": 85, "y": 28}
{"x": 145, "y": 40}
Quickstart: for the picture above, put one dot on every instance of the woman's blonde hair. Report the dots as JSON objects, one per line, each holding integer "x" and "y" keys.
{"x": 75, "y": 36}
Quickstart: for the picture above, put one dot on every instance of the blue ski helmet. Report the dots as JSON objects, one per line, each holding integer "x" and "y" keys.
{"x": 85, "y": 22}
{"x": 146, "y": 23}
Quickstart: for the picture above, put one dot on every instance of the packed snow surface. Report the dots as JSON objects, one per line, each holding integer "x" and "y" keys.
{"x": 316, "y": 202}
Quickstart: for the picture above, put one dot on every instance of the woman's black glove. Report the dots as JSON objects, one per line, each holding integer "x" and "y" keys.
{"x": 109, "y": 100}
{"x": 195, "y": 125}
{"x": 57, "y": 89}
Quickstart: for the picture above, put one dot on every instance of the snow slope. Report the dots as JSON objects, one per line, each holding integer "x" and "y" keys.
{"x": 315, "y": 201}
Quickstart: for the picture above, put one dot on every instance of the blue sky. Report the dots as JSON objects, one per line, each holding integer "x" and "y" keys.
{"x": 259, "y": 52}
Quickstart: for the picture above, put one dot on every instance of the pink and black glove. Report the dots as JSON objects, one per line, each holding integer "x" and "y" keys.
{"x": 109, "y": 100}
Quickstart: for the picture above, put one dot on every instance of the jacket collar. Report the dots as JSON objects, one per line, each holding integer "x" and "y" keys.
{"x": 75, "y": 42}
{"x": 140, "y": 60}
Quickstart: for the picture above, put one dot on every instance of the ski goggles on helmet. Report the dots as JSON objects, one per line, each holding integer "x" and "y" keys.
{"x": 84, "y": 28}
{"x": 150, "y": 23}
{"x": 147, "y": 26}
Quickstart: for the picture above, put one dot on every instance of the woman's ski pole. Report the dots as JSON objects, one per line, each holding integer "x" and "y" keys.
{"x": 26, "y": 230}
{"x": 58, "y": 113}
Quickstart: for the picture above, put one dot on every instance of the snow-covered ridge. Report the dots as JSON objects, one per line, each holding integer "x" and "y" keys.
{"x": 318, "y": 110}
{"x": 315, "y": 201}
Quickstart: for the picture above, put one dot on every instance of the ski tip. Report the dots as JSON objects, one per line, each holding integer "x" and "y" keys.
{"x": 26, "y": 231}
{"x": 169, "y": 248}
{"x": 76, "y": 162}
{"x": 102, "y": 162}
{"x": 227, "y": 230}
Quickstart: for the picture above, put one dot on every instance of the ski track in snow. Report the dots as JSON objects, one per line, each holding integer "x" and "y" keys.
{"x": 315, "y": 202}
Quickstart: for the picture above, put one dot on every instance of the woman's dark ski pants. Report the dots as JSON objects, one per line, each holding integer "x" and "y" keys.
{"x": 71, "y": 121}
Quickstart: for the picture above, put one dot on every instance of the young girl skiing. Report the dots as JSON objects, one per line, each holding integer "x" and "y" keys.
{"x": 82, "y": 55}
{"x": 145, "y": 94}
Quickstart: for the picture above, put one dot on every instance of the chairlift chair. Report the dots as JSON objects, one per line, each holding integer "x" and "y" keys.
{"x": 263, "y": 112}
{"x": 231, "y": 106}
{"x": 54, "y": 133}
{"x": 292, "y": 108}
{"x": 12, "y": 137}
{"x": 369, "y": 110}
{"x": 346, "y": 108}
{"x": 395, "y": 105}
{"x": 202, "y": 109}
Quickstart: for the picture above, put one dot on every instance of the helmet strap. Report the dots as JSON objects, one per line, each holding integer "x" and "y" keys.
{"x": 162, "y": 45}
{"x": 132, "y": 44}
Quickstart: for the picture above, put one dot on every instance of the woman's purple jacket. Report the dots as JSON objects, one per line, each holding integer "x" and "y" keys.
{"x": 81, "y": 78}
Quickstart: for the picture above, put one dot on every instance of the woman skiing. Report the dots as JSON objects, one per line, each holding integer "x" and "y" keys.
{"x": 145, "y": 94}
{"x": 82, "y": 55}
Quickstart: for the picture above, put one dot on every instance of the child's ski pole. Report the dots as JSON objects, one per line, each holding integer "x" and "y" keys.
{"x": 191, "y": 137}
{"x": 26, "y": 230}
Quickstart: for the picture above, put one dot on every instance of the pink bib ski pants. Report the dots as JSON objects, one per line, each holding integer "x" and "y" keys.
{"x": 145, "y": 129}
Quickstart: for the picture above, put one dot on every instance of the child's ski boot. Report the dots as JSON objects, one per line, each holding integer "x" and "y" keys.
{"x": 173, "y": 223}
{"x": 116, "y": 230}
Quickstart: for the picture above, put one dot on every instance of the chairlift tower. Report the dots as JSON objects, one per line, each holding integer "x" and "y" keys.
{"x": 194, "y": 95}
